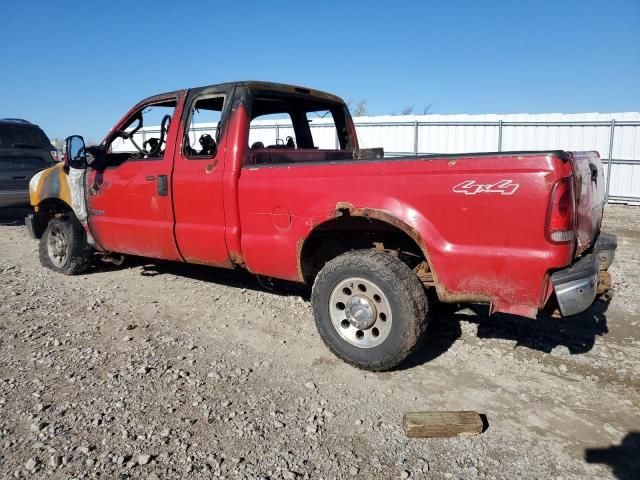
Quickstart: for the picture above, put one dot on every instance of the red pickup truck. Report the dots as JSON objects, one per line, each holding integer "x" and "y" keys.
{"x": 519, "y": 231}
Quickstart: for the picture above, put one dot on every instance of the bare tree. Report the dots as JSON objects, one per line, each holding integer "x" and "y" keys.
{"x": 360, "y": 109}
{"x": 407, "y": 110}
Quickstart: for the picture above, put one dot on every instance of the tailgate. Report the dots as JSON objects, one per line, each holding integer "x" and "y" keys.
{"x": 589, "y": 191}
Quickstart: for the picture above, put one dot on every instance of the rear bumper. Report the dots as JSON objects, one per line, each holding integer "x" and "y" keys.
{"x": 577, "y": 286}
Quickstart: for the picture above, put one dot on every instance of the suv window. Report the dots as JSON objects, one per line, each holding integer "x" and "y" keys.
{"x": 22, "y": 136}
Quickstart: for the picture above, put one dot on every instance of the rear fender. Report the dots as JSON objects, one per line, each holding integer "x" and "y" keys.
{"x": 412, "y": 223}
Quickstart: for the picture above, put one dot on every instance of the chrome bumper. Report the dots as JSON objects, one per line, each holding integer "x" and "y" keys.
{"x": 577, "y": 286}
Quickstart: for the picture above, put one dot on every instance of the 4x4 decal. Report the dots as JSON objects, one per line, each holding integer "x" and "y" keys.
{"x": 471, "y": 187}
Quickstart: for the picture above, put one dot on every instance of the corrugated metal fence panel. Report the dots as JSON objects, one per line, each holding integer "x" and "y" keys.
{"x": 465, "y": 138}
{"x": 625, "y": 181}
{"x": 625, "y": 171}
{"x": 556, "y": 137}
{"x": 399, "y": 136}
{"x": 626, "y": 140}
{"x": 396, "y": 134}
{"x": 394, "y": 138}
{"x": 453, "y": 139}
{"x": 323, "y": 133}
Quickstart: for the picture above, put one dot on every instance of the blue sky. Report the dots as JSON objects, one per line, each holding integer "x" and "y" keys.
{"x": 76, "y": 67}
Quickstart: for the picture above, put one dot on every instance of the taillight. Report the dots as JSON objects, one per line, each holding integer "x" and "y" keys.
{"x": 561, "y": 215}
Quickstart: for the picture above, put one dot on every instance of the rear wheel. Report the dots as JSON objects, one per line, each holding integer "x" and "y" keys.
{"x": 370, "y": 309}
{"x": 64, "y": 247}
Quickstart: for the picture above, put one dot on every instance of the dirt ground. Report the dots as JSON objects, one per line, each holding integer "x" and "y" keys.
{"x": 154, "y": 370}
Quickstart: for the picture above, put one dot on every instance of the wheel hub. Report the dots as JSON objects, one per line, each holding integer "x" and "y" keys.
{"x": 57, "y": 246}
{"x": 360, "y": 312}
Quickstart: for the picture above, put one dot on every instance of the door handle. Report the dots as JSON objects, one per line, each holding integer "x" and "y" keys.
{"x": 20, "y": 178}
{"x": 162, "y": 185}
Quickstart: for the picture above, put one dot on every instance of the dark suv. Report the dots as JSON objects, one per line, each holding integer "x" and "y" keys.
{"x": 24, "y": 151}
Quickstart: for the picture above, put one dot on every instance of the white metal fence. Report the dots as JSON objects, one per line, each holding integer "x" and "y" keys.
{"x": 615, "y": 135}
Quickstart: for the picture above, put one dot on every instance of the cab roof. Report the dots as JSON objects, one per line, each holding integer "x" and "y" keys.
{"x": 263, "y": 86}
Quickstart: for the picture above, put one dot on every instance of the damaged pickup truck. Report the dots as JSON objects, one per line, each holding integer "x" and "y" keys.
{"x": 378, "y": 238}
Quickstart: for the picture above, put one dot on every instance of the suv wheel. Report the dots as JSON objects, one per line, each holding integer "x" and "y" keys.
{"x": 370, "y": 309}
{"x": 64, "y": 247}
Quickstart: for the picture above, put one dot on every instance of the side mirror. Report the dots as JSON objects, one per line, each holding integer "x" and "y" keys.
{"x": 76, "y": 154}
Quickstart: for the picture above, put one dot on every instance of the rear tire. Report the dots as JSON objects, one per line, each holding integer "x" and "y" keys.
{"x": 370, "y": 309}
{"x": 64, "y": 248}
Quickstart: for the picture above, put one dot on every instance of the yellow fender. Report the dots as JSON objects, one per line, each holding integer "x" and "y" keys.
{"x": 55, "y": 183}
{"x": 49, "y": 183}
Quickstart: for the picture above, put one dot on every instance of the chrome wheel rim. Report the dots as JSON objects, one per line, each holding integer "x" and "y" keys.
{"x": 360, "y": 312}
{"x": 57, "y": 246}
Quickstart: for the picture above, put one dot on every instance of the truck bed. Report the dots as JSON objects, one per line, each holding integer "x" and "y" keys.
{"x": 483, "y": 245}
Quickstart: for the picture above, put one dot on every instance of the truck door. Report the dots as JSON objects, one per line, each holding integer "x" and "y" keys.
{"x": 197, "y": 178}
{"x": 129, "y": 192}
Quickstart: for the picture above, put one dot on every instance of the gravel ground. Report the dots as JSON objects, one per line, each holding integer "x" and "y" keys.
{"x": 153, "y": 370}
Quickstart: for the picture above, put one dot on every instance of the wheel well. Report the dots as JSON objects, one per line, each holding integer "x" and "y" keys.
{"x": 50, "y": 207}
{"x": 46, "y": 210}
{"x": 346, "y": 233}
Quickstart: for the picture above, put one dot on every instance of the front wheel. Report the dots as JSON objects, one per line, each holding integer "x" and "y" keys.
{"x": 370, "y": 309}
{"x": 64, "y": 247}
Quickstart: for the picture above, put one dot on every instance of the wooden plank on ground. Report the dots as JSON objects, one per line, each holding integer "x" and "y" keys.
{"x": 442, "y": 424}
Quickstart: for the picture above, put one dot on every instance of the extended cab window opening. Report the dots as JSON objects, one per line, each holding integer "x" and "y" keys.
{"x": 308, "y": 129}
{"x": 206, "y": 120}
{"x": 143, "y": 135}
